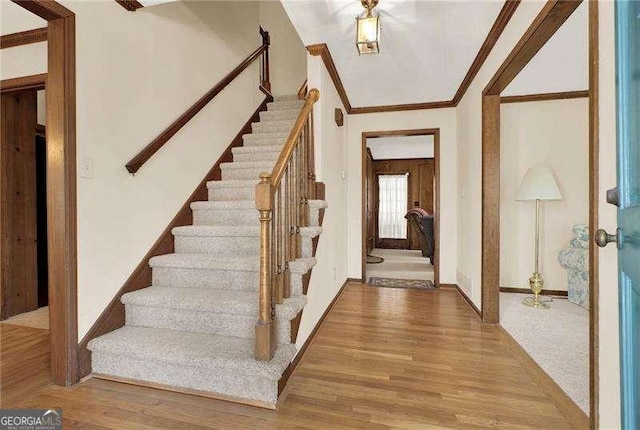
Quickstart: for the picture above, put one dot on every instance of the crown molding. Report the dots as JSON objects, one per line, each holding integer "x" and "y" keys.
{"x": 322, "y": 50}
{"x": 23, "y": 38}
{"x": 498, "y": 27}
{"x": 545, "y": 97}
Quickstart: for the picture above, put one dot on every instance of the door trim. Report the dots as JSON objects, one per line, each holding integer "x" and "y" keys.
{"x": 544, "y": 26}
{"x": 435, "y": 132}
{"x": 61, "y": 186}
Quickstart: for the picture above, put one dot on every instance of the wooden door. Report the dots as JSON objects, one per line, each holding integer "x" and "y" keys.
{"x": 18, "y": 212}
{"x": 370, "y": 192}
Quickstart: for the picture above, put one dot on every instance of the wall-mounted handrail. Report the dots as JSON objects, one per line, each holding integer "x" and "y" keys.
{"x": 282, "y": 198}
{"x": 262, "y": 52}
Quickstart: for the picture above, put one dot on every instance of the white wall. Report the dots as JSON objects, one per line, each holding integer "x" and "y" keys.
{"x": 552, "y": 134}
{"x": 469, "y": 121}
{"x": 330, "y": 144}
{"x": 287, "y": 53}
{"x": 445, "y": 120}
{"x": 26, "y": 59}
{"x": 609, "y": 377}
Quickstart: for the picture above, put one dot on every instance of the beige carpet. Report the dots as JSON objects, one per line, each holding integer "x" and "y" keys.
{"x": 400, "y": 264}
{"x": 556, "y": 338}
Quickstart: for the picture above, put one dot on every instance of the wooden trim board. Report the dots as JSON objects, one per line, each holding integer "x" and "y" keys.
{"x": 435, "y": 132}
{"x": 23, "y": 38}
{"x": 189, "y": 391}
{"x": 466, "y": 298}
{"x": 130, "y": 5}
{"x": 507, "y": 11}
{"x": 61, "y": 186}
{"x": 545, "y": 97}
{"x": 31, "y": 82}
{"x": 557, "y": 293}
{"x": 113, "y": 315}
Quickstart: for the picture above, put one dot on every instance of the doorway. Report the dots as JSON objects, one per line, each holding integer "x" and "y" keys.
{"x": 400, "y": 195}
{"x": 23, "y": 194}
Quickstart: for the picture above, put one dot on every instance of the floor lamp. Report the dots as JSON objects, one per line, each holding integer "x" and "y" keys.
{"x": 537, "y": 185}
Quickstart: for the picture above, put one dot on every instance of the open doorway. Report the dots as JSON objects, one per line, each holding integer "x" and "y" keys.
{"x": 400, "y": 207}
{"x": 23, "y": 192}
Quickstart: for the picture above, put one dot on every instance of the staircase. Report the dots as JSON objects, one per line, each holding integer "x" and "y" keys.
{"x": 194, "y": 329}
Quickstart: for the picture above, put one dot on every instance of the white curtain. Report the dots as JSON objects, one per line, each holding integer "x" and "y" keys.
{"x": 393, "y": 206}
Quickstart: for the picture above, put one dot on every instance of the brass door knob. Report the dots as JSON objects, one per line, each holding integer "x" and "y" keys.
{"x": 603, "y": 238}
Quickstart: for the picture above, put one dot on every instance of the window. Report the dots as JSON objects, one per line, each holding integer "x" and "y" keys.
{"x": 392, "y": 206}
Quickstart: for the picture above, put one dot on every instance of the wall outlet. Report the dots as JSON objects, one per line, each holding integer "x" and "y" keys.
{"x": 86, "y": 168}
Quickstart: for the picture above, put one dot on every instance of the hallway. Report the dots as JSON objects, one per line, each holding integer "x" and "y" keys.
{"x": 383, "y": 358}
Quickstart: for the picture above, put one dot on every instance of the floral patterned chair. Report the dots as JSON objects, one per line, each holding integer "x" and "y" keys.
{"x": 575, "y": 259}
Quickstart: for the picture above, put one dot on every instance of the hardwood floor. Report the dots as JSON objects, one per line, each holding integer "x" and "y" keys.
{"x": 384, "y": 358}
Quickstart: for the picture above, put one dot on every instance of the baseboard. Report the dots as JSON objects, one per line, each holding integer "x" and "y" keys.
{"x": 360, "y": 280}
{"x": 113, "y": 316}
{"x": 189, "y": 391}
{"x": 557, "y": 293}
{"x": 567, "y": 407}
{"x": 292, "y": 366}
{"x": 473, "y": 307}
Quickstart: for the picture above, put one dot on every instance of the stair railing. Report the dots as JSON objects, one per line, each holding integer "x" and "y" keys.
{"x": 282, "y": 198}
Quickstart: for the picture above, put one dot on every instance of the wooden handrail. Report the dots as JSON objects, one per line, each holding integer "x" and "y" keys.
{"x": 143, "y": 156}
{"x": 292, "y": 140}
{"x": 282, "y": 198}
{"x": 302, "y": 92}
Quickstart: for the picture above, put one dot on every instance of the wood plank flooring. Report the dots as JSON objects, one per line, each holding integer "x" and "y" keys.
{"x": 384, "y": 358}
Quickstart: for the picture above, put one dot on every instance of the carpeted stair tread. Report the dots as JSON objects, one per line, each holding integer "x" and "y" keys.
{"x": 262, "y": 148}
{"x": 310, "y": 231}
{"x": 285, "y": 105}
{"x": 209, "y": 300}
{"x": 234, "y": 183}
{"x": 270, "y": 115}
{"x": 244, "y": 263}
{"x": 247, "y": 165}
{"x": 217, "y": 231}
{"x": 204, "y": 351}
{"x": 286, "y": 98}
{"x": 224, "y": 205}
{"x": 318, "y": 204}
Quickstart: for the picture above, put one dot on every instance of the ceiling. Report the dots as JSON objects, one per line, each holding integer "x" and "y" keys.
{"x": 427, "y": 48}
{"x": 401, "y": 147}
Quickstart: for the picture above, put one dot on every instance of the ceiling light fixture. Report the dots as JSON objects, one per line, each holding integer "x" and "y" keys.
{"x": 368, "y": 29}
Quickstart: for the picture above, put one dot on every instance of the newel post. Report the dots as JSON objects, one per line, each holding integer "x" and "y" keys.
{"x": 266, "y": 40}
{"x": 265, "y": 341}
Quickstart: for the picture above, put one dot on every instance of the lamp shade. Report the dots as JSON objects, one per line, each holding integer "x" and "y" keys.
{"x": 538, "y": 184}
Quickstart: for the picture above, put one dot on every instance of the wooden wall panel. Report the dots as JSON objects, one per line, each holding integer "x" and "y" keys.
{"x": 18, "y": 204}
{"x": 421, "y": 176}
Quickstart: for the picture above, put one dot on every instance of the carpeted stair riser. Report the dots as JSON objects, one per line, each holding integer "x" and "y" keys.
{"x": 235, "y": 217}
{"x": 284, "y": 126}
{"x": 193, "y": 378}
{"x": 264, "y": 139}
{"x": 222, "y": 193}
{"x": 242, "y": 326}
{"x": 285, "y": 105}
{"x": 258, "y": 153}
{"x": 245, "y": 174}
{"x": 221, "y": 245}
{"x": 282, "y": 114}
{"x": 204, "y": 278}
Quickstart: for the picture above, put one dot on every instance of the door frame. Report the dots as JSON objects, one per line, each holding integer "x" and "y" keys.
{"x": 549, "y": 20}
{"x": 60, "y": 83}
{"x": 435, "y": 132}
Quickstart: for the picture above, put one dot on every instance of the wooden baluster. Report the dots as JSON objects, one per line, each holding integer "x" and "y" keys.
{"x": 286, "y": 291}
{"x": 276, "y": 269}
{"x": 265, "y": 341}
{"x": 312, "y": 165}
